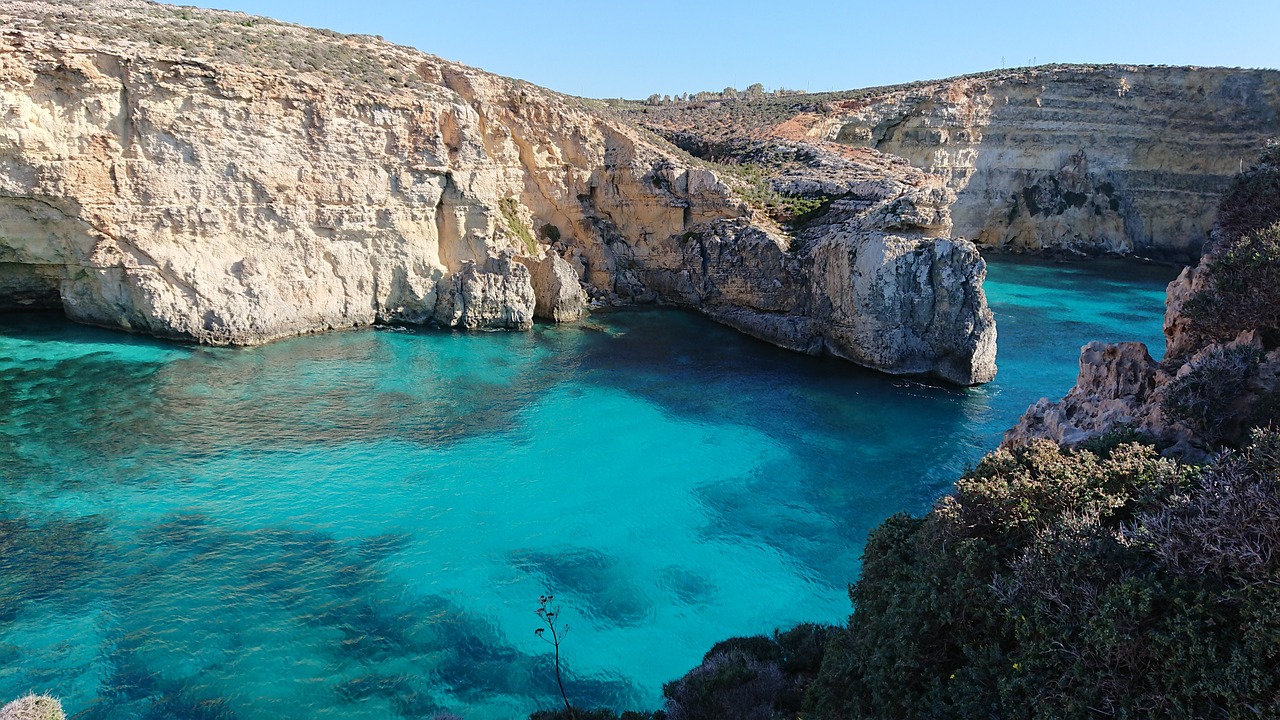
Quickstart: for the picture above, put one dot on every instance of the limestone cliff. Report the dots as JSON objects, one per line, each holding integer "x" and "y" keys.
{"x": 227, "y": 179}
{"x": 1220, "y": 376}
{"x": 1117, "y": 159}
{"x": 1074, "y": 158}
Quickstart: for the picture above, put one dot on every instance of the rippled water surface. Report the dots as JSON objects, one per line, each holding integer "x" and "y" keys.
{"x": 359, "y": 524}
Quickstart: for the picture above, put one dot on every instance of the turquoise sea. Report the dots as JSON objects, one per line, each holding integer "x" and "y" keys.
{"x": 359, "y": 524}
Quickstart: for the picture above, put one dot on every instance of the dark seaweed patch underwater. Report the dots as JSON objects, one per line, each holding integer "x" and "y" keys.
{"x": 360, "y": 524}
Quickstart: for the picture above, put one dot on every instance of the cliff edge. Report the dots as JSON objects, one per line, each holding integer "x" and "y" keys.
{"x": 1076, "y": 159}
{"x": 228, "y": 179}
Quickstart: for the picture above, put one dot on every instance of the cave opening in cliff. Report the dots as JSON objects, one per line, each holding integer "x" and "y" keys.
{"x": 26, "y": 287}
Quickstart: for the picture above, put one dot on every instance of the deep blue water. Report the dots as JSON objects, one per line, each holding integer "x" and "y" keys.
{"x": 360, "y": 524}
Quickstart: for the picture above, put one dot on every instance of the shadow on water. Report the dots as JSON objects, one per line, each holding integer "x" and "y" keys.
{"x": 845, "y": 430}
{"x": 136, "y": 397}
{"x": 598, "y": 581}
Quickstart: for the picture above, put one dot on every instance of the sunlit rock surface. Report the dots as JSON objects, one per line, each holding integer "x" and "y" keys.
{"x": 226, "y": 179}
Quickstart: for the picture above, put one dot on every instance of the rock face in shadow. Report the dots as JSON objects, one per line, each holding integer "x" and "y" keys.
{"x": 213, "y": 177}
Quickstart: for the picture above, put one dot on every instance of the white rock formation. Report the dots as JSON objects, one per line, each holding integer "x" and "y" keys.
{"x": 213, "y": 177}
{"x": 556, "y": 286}
{"x": 33, "y": 707}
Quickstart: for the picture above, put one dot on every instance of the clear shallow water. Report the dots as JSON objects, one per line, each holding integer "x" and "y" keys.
{"x": 360, "y": 524}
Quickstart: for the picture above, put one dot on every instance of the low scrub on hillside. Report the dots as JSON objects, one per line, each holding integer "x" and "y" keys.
{"x": 359, "y": 62}
{"x": 1241, "y": 270}
{"x": 1252, "y": 202}
{"x": 1072, "y": 584}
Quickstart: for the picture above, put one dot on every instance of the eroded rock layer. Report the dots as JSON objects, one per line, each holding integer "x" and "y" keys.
{"x": 227, "y": 179}
{"x": 1091, "y": 159}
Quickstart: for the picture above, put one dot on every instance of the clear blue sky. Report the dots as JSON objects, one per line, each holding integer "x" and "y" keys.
{"x": 626, "y": 49}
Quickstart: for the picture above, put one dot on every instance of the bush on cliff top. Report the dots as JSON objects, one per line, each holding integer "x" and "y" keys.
{"x": 1243, "y": 275}
{"x": 1252, "y": 201}
{"x": 1242, "y": 268}
{"x": 1072, "y": 584}
{"x": 752, "y": 677}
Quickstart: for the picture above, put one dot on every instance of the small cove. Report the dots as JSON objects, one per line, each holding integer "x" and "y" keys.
{"x": 359, "y": 524}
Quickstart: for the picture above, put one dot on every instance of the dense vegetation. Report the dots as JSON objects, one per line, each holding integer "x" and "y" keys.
{"x": 1252, "y": 202}
{"x": 1244, "y": 262}
{"x": 1232, "y": 300}
{"x": 1109, "y": 583}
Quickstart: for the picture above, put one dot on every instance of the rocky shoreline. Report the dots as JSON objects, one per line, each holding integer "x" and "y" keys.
{"x": 165, "y": 174}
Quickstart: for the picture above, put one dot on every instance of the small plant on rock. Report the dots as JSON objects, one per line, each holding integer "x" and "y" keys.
{"x": 549, "y": 614}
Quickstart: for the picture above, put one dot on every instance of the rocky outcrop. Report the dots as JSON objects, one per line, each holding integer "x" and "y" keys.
{"x": 869, "y": 279}
{"x": 230, "y": 180}
{"x": 906, "y": 299}
{"x": 1220, "y": 376}
{"x": 33, "y": 707}
{"x": 559, "y": 294}
{"x": 1081, "y": 158}
{"x": 1115, "y": 388}
{"x": 497, "y": 295}
{"x": 1219, "y": 391}
{"x": 1180, "y": 336}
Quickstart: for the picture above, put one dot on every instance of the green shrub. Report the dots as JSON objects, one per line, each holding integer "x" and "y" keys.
{"x": 1229, "y": 524}
{"x": 510, "y": 209}
{"x": 1252, "y": 201}
{"x": 727, "y": 685}
{"x": 1213, "y": 398}
{"x": 760, "y": 648}
{"x": 1240, "y": 294}
{"x": 796, "y": 652}
{"x": 1071, "y": 584}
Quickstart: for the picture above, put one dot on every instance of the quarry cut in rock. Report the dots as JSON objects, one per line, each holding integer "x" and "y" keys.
{"x": 213, "y": 177}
